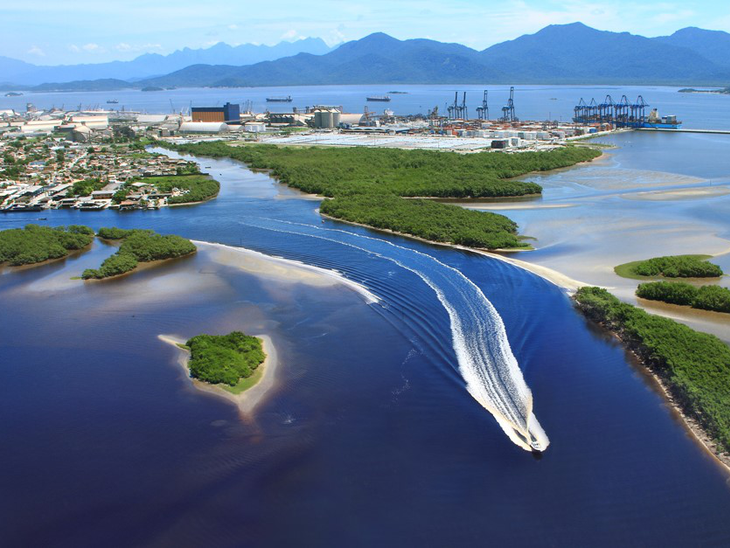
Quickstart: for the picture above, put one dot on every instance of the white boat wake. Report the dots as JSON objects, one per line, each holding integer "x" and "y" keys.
{"x": 479, "y": 338}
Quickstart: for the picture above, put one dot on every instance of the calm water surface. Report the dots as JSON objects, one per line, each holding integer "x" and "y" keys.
{"x": 371, "y": 437}
{"x": 531, "y": 102}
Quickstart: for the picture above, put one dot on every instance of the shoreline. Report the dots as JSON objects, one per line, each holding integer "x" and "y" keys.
{"x": 553, "y": 276}
{"x": 185, "y": 204}
{"x": 370, "y": 298}
{"x": 690, "y": 425}
{"x": 4, "y": 267}
{"x": 249, "y": 399}
{"x": 140, "y": 267}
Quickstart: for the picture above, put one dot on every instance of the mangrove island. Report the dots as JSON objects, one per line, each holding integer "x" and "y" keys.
{"x": 230, "y": 361}
{"x": 138, "y": 246}
{"x": 672, "y": 266}
{"x": 385, "y": 188}
{"x": 36, "y": 244}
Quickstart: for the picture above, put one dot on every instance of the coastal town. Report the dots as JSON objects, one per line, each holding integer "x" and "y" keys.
{"x": 50, "y": 172}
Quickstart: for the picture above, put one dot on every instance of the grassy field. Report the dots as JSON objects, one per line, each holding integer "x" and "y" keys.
{"x": 245, "y": 383}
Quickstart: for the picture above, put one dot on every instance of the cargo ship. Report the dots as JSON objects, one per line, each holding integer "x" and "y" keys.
{"x": 654, "y": 121}
{"x": 286, "y": 99}
{"x": 380, "y": 98}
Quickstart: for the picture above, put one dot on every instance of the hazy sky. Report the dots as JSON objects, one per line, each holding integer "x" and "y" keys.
{"x": 92, "y": 31}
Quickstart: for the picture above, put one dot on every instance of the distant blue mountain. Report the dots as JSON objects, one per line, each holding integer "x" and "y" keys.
{"x": 713, "y": 45}
{"x": 575, "y": 54}
{"x": 558, "y": 54}
{"x": 152, "y": 64}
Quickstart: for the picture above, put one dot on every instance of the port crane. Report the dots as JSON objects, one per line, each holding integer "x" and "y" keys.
{"x": 622, "y": 113}
{"x": 458, "y": 111}
{"x": 508, "y": 112}
{"x": 483, "y": 110}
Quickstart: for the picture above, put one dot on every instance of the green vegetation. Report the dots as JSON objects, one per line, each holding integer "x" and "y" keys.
{"x": 85, "y": 187}
{"x": 225, "y": 359}
{"x": 35, "y": 244}
{"x": 707, "y": 297}
{"x": 138, "y": 246}
{"x": 409, "y": 173}
{"x": 112, "y": 266}
{"x": 673, "y": 266}
{"x": 113, "y": 233}
{"x": 426, "y": 219}
{"x": 694, "y": 365}
{"x": 199, "y": 187}
{"x": 368, "y": 184}
{"x": 196, "y": 187}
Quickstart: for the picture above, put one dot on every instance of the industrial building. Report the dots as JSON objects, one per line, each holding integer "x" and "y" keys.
{"x": 203, "y": 127}
{"x": 228, "y": 113}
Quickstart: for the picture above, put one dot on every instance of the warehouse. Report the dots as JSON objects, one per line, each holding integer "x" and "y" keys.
{"x": 228, "y": 113}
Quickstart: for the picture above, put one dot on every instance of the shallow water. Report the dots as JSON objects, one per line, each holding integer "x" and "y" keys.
{"x": 371, "y": 437}
{"x": 653, "y": 195}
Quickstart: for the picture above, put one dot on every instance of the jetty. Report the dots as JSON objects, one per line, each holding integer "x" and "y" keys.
{"x": 686, "y": 130}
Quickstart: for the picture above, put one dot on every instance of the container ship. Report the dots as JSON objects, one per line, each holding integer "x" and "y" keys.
{"x": 380, "y": 98}
{"x": 661, "y": 122}
{"x": 286, "y": 99}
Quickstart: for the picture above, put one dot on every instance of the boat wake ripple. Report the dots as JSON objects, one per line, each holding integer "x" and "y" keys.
{"x": 479, "y": 338}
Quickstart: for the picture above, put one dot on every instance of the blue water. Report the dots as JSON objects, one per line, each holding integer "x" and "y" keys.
{"x": 705, "y": 111}
{"x": 371, "y": 438}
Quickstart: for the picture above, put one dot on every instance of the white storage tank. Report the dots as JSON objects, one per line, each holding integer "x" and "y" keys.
{"x": 203, "y": 127}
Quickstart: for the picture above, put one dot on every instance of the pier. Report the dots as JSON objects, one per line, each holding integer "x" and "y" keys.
{"x": 688, "y": 130}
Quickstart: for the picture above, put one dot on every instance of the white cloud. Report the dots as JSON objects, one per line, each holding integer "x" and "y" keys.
{"x": 125, "y": 47}
{"x": 92, "y": 48}
{"x": 35, "y": 50}
{"x": 291, "y": 36}
{"x": 232, "y": 27}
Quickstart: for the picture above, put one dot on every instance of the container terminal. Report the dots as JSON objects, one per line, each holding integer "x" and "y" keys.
{"x": 623, "y": 114}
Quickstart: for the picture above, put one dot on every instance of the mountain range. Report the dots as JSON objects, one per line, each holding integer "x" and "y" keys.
{"x": 558, "y": 54}
{"x": 153, "y": 64}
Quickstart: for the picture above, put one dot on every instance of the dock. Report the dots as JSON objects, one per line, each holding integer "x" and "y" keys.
{"x": 688, "y": 130}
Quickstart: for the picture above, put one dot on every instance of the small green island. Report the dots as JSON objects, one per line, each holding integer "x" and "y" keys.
{"x": 137, "y": 246}
{"x": 672, "y": 266}
{"x": 706, "y": 297}
{"x": 230, "y": 362}
{"x": 720, "y": 91}
{"x": 35, "y": 244}
{"x": 694, "y": 367}
{"x": 393, "y": 189}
